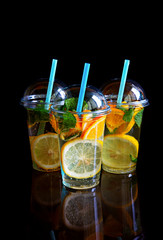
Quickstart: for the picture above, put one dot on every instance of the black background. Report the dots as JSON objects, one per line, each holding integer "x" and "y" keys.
{"x": 104, "y": 39}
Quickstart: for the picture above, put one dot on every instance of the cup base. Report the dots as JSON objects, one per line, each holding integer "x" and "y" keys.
{"x": 35, "y": 167}
{"x": 118, "y": 170}
{"x": 81, "y": 183}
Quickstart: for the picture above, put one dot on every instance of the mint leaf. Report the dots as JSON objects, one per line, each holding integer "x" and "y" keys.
{"x": 67, "y": 121}
{"x": 37, "y": 114}
{"x": 133, "y": 159}
{"x": 128, "y": 114}
{"x": 138, "y": 118}
{"x": 71, "y": 104}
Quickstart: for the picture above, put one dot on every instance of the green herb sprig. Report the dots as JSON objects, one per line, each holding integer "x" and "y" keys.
{"x": 68, "y": 120}
{"x": 129, "y": 114}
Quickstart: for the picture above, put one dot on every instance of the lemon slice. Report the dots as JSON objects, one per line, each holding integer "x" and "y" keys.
{"x": 81, "y": 158}
{"x": 44, "y": 149}
{"x": 118, "y": 151}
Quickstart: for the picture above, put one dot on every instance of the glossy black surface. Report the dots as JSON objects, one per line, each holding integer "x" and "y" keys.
{"x": 108, "y": 211}
{"x": 26, "y": 218}
{"x": 121, "y": 207}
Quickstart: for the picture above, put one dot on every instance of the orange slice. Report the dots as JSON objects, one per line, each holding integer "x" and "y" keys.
{"x": 114, "y": 119}
{"x": 78, "y": 122}
{"x": 95, "y": 129}
{"x": 115, "y": 122}
{"x": 86, "y": 120}
{"x": 54, "y": 123}
{"x": 126, "y": 127}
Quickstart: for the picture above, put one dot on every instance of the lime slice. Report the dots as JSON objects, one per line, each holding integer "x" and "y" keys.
{"x": 118, "y": 151}
{"x": 81, "y": 158}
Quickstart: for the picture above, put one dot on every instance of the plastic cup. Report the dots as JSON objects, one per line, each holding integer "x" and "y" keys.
{"x": 81, "y": 138}
{"x": 42, "y": 132}
{"x": 123, "y": 125}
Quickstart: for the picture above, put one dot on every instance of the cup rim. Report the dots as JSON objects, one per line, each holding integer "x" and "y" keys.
{"x": 103, "y": 111}
{"x": 143, "y": 103}
{"x": 26, "y": 100}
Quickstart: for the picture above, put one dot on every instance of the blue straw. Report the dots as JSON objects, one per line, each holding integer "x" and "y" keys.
{"x": 51, "y": 81}
{"x": 123, "y": 81}
{"x": 83, "y": 87}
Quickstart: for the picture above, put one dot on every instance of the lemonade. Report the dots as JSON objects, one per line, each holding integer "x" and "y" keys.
{"x": 42, "y": 132}
{"x": 121, "y": 141}
{"x": 122, "y": 128}
{"x": 43, "y": 140}
{"x": 80, "y": 142}
{"x": 120, "y": 152}
{"x": 81, "y": 162}
{"x": 81, "y": 151}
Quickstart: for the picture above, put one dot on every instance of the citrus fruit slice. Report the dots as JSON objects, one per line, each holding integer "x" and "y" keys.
{"x": 53, "y": 123}
{"x": 44, "y": 149}
{"x": 118, "y": 151}
{"x": 114, "y": 119}
{"x": 81, "y": 158}
{"x": 115, "y": 122}
{"x": 86, "y": 120}
{"x": 78, "y": 122}
{"x": 96, "y": 129}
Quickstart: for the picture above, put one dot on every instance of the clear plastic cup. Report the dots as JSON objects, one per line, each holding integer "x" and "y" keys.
{"x": 81, "y": 137}
{"x": 123, "y": 125}
{"x": 42, "y": 133}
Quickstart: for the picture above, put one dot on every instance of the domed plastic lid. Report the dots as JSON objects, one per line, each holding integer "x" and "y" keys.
{"x": 94, "y": 100}
{"x": 36, "y": 93}
{"x": 133, "y": 93}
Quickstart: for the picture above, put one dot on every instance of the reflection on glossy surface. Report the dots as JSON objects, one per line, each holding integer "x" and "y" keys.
{"x": 45, "y": 203}
{"x": 108, "y": 212}
{"x": 82, "y": 214}
{"x": 121, "y": 214}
